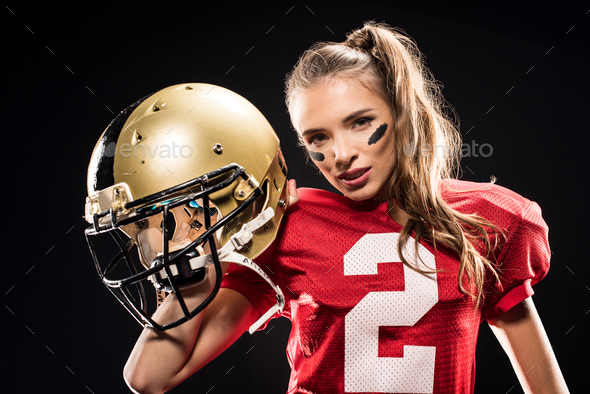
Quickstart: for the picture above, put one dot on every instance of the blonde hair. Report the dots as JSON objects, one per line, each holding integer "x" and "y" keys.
{"x": 388, "y": 62}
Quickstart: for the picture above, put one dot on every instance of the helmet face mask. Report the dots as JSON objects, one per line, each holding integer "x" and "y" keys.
{"x": 149, "y": 199}
{"x": 182, "y": 227}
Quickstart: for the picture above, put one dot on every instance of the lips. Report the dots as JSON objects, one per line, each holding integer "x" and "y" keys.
{"x": 355, "y": 177}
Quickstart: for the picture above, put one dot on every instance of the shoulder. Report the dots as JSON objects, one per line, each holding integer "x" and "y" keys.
{"x": 455, "y": 191}
{"x": 320, "y": 212}
{"x": 495, "y": 203}
{"x": 320, "y": 197}
{"x": 315, "y": 199}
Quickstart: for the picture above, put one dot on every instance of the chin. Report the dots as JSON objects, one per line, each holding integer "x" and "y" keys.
{"x": 364, "y": 194}
{"x": 360, "y": 195}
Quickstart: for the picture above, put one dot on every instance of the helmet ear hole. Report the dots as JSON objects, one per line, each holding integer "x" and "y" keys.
{"x": 261, "y": 203}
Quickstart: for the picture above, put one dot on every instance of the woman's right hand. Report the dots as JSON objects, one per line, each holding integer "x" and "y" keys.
{"x": 160, "y": 360}
{"x": 292, "y": 191}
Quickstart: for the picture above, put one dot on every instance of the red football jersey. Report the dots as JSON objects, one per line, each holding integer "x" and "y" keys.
{"x": 364, "y": 322}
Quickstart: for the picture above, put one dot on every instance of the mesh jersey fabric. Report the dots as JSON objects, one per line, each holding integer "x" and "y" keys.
{"x": 361, "y": 320}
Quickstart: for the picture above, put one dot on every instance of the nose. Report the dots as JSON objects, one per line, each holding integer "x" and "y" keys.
{"x": 345, "y": 149}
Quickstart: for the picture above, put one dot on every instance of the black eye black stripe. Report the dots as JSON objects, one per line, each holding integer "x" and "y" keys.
{"x": 378, "y": 134}
{"x": 317, "y": 156}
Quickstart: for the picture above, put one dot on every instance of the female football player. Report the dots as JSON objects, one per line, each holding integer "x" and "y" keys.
{"x": 386, "y": 286}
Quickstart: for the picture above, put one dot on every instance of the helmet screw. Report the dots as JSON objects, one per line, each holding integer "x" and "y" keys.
{"x": 241, "y": 193}
{"x": 217, "y": 148}
{"x": 282, "y": 203}
{"x": 116, "y": 191}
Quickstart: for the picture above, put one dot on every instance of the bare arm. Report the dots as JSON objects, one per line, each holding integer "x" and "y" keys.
{"x": 521, "y": 334}
{"x": 162, "y": 360}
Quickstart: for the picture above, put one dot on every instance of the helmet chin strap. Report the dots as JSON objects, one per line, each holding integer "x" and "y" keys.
{"x": 228, "y": 254}
{"x": 236, "y": 258}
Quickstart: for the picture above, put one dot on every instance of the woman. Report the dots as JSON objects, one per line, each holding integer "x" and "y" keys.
{"x": 451, "y": 252}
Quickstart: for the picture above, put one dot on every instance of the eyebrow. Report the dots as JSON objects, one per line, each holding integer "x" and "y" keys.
{"x": 344, "y": 120}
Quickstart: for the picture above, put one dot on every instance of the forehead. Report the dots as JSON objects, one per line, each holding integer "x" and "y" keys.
{"x": 332, "y": 100}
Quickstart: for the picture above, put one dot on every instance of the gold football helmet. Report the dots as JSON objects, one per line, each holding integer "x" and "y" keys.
{"x": 189, "y": 166}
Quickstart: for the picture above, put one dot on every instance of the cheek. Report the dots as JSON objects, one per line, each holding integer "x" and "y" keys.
{"x": 324, "y": 166}
{"x": 384, "y": 150}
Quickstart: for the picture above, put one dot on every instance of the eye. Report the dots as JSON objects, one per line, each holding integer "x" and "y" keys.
{"x": 363, "y": 122}
{"x": 317, "y": 139}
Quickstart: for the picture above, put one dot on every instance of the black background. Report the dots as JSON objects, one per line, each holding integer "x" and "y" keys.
{"x": 516, "y": 74}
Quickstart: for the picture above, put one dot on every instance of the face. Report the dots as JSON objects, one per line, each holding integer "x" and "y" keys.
{"x": 348, "y": 131}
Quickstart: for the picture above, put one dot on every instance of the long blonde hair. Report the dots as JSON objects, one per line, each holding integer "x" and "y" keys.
{"x": 385, "y": 60}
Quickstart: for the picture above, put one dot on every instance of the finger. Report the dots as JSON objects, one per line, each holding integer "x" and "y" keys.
{"x": 292, "y": 190}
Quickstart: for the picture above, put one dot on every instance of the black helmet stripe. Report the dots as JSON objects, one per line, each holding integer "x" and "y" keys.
{"x": 105, "y": 175}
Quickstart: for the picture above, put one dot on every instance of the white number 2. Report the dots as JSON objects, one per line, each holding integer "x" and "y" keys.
{"x": 364, "y": 370}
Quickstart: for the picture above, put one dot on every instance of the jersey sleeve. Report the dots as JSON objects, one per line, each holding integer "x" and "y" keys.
{"x": 284, "y": 257}
{"x": 522, "y": 262}
{"x": 236, "y": 281}
{"x": 253, "y": 286}
{"x": 272, "y": 261}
